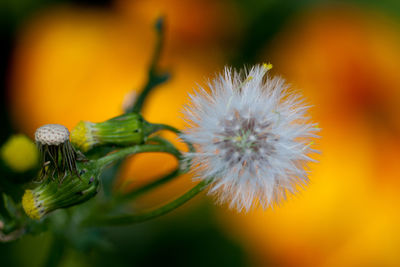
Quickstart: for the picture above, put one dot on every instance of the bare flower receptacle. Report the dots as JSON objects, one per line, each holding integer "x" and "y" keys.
{"x": 56, "y": 152}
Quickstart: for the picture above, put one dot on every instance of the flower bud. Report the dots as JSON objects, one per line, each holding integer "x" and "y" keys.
{"x": 51, "y": 195}
{"x": 19, "y": 153}
{"x": 124, "y": 130}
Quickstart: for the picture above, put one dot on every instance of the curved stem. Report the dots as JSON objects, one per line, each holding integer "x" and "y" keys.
{"x": 166, "y": 178}
{"x": 148, "y": 187}
{"x": 154, "y": 79}
{"x": 161, "y": 141}
{"x": 157, "y": 182}
{"x": 159, "y": 127}
{"x": 145, "y": 216}
{"x": 122, "y": 153}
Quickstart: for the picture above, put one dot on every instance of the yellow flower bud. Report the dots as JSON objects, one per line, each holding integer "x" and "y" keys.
{"x": 51, "y": 195}
{"x": 125, "y": 130}
{"x": 20, "y": 153}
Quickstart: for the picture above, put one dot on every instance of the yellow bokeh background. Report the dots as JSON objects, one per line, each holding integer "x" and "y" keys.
{"x": 73, "y": 64}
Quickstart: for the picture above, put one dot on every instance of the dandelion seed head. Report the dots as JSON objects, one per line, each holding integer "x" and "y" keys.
{"x": 252, "y": 138}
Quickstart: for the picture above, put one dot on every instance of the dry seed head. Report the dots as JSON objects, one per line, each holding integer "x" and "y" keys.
{"x": 52, "y": 134}
{"x": 56, "y": 152}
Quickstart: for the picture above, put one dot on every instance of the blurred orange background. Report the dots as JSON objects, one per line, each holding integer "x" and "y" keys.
{"x": 75, "y": 63}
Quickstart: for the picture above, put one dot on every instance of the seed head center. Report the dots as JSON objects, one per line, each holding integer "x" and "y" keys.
{"x": 244, "y": 139}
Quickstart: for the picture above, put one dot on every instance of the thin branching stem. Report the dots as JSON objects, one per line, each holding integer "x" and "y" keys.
{"x": 148, "y": 187}
{"x": 166, "y": 178}
{"x": 148, "y": 215}
{"x": 124, "y": 152}
{"x": 154, "y": 78}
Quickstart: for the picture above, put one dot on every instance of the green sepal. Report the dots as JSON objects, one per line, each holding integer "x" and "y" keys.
{"x": 52, "y": 195}
{"x": 124, "y": 130}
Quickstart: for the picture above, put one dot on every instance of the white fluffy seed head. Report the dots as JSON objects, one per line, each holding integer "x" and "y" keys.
{"x": 52, "y": 134}
{"x": 252, "y": 138}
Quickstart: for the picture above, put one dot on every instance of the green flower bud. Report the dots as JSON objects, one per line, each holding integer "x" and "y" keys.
{"x": 51, "y": 195}
{"x": 83, "y": 184}
{"x": 125, "y": 130}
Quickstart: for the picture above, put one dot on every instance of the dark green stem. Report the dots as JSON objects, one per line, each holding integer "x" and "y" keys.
{"x": 145, "y": 216}
{"x": 154, "y": 78}
{"x": 56, "y": 251}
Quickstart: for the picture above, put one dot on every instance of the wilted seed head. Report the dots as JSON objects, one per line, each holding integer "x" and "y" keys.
{"x": 57, "y": 154}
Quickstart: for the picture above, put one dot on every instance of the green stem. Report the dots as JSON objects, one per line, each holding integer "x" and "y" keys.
{"x": 158, "y": 182}
{"x": 120, "y": 198}
{"x": 168, "y": 177}
{"x": 56, "y": 251}
{"x": 122, "y": 153}
{"x": 145, "y": 216}
{"x": 159, "y": 127}
{"x": 154, "y": 79}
